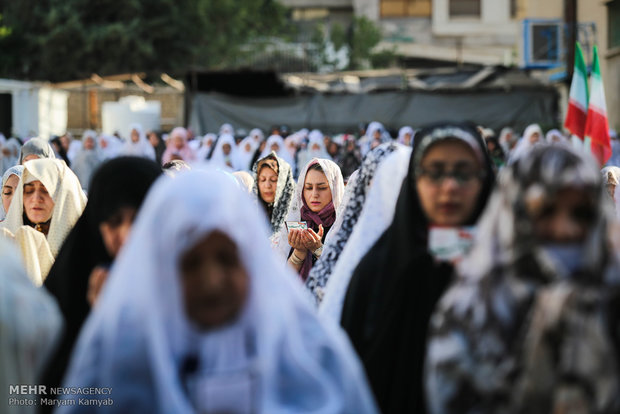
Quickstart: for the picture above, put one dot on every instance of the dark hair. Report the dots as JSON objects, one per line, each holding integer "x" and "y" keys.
{"x": 315, "y": 166}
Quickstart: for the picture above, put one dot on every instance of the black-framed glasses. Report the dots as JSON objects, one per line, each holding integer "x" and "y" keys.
{"x": 462, "y": 177}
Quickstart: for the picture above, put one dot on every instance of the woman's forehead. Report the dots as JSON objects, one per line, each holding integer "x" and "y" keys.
{"x": 449, "y": 151}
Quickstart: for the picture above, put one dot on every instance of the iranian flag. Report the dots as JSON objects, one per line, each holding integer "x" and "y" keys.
{"x": 578, "y": 102}
{"x": 597, "y": 126}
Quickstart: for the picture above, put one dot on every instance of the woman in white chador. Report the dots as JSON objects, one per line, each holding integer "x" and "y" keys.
{"x": 225, "y": 154}
{"x": 137, "y": 144}
{"x": 203, "y": 319}
{"x": 47, "y": 203}
{"x": 30, "y": 322}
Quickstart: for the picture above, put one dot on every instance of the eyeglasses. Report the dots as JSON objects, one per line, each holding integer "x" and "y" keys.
{"x": 462, "y": 177}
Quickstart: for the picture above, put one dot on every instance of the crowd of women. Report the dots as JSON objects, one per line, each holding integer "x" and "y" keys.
{"x": 448, "y": 270}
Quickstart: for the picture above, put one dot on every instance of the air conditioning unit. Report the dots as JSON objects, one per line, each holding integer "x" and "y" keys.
{"x": 543, "y": 43}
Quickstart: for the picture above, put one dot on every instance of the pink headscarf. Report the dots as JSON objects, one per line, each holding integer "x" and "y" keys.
{"x": 185, "y": 152}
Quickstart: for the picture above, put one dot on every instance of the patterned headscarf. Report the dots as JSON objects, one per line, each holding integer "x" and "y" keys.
{"x": 285, "y": 188}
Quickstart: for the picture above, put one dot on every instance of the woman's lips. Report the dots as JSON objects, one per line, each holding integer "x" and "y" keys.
{"x": 449, "y": 208}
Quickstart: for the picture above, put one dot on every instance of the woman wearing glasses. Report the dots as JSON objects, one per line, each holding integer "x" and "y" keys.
{"x": 395, "y": 287}
{"x": 531, "y": 323}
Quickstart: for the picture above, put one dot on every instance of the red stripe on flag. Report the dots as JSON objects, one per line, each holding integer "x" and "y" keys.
{"x": 599, "y": 135}
{"x": 575, "y": 120}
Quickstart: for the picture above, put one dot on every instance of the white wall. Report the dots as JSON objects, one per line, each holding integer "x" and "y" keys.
{"x": 494, "y": 20}
{"x": 52, "y": 112}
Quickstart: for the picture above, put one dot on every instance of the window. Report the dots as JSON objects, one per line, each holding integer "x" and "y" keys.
{"x": 613, "y": 23}
{"x": 406, "y": 8}
{"x": 464, "y": 8}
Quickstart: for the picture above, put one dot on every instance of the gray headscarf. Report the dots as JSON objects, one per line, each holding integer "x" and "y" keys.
{"x": 36, "y": 146}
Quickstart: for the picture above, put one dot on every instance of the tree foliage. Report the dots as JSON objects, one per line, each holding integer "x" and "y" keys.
{"x": 71, "y": 39}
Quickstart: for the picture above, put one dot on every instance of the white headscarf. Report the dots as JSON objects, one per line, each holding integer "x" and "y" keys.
{"x": 245, "y": 180}
{"x": 69, "y": 202}
{"x": 401, "y": 135}
{"x": 74, "y": 148}
{"x": 524, "y": 145}
{"x": 227, "y": 129}
{"x": 36, "y": 146}
{"x": 367, "y": 140}
{"x": 140, "y": 325}
{"x": 611, "y": 175}
{"x": 279, "y": 241}
{"x": 113, "y": 146}
{"x": 245, "y": 152}
{"x": 376, "y": 216}
{"x": 205, "y": 146}
{"x": 15, "y": 170}
{"x": 219, "y": 159}
{"x": 7, "y": 161}
{"x": 315, "y": 138}
{"x": 142, "y": 148}
{"x": 86, "y": 161}
{"x": 554, "y": 136}
{"x": 257, "y": 134}
{"x": 30, "y": 322}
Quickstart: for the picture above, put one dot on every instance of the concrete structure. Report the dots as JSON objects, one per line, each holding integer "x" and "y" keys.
{"x": 32, "y": 109}
{"x": 87, "y": 97}
{"x": 491, "y": 32}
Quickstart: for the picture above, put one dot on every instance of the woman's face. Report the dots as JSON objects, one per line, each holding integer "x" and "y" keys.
{"x": 135, "y": 136}
{"x": 64, "y": 141}
{"x": 153, "y": 139}
{"x": 564, "y": 218}
{"x": 30, "y": 157}
{"x": 449, "y": 200}
{"x": 267, "y": 183}
{"x": 89, "y": 143}
{"x": 177, "y": 142}
{"x": 407, "y": 138}
{"x": 214, "y": 282}
{"x": 8, "y": 190}
{"x": 226, "y": 149}
{"x": 115, "y": 230}
{"x": 534, "y": 138}
{"x": 38, "y": 204}
{"x": 316, "y": 191}
{"x": 315, "y": 147}
{"x": 275, "y": 147}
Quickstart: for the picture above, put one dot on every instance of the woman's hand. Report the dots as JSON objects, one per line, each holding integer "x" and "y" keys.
{"x": 312, "y": 240}
{"x": 95, "y": 282}
{"x": 296, "y": 239}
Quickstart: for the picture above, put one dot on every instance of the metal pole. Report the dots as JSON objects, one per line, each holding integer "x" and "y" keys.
{"x": 570, "y": 20}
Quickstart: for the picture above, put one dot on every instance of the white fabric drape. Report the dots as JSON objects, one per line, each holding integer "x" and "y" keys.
{"x": 376, "y": 217}
{"x": 139, "y": 326}
{"x": 30, "y": 322}
{"x": 279, "y": 241}
{"x": 69, "y": 202}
